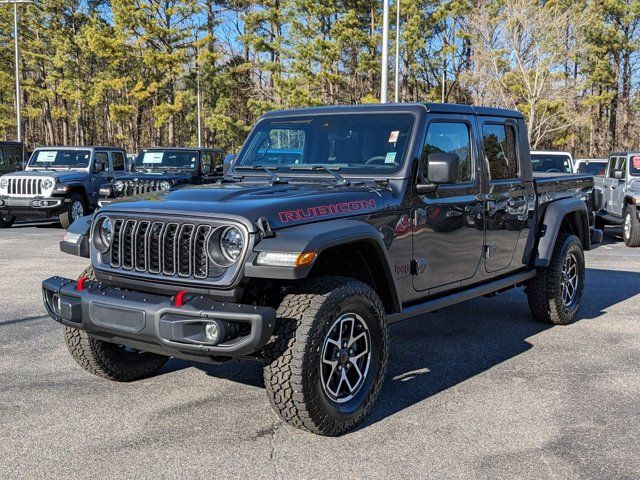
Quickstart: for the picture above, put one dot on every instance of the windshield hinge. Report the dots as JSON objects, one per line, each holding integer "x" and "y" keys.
{"x": 265, "y": 228}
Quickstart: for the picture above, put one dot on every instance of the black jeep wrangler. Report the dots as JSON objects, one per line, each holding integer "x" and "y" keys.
{"x": 331, "y": 224}
{"x": 165, "y": 168}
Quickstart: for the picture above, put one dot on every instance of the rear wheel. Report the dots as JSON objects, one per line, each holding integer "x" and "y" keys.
{"x": 75, "y": 209}
{"x": 555, "y": 293}
{"x": 108, "y": 360}
{"x": 327, "y": 360}
{"x": 631, "y": 227}
{"x": 6, "y": 220}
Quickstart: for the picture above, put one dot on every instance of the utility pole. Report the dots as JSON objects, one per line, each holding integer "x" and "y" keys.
{"x": 384, "y": 80}
{"x": 397, "y": 83}
{"x": 17, "y": 61}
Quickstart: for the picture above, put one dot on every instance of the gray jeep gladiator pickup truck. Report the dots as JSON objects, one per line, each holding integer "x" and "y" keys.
{"x": 620, "y": 191}
{"x": 331, "y": 224}
{"x": 59, "y": 181}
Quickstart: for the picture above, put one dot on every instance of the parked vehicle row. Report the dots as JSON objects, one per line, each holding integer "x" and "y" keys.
{"x": 331, "y": 224}
{"x": 69, "y": 182}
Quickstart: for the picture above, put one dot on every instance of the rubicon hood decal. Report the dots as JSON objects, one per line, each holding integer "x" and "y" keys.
{"x": 325, "y": 210}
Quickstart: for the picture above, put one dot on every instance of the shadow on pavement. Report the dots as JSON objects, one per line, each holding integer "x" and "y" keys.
{"x": 435, "y": 352}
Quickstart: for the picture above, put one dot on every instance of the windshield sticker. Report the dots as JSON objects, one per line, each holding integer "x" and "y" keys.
{"x": 636, "y": 163}
{"x": 152, "y": 157}
{"x": 46, "y": 157}
{"x": 325, "y": 210}
{"x": 393, "y": 136}
{"x": 391, "y": 157}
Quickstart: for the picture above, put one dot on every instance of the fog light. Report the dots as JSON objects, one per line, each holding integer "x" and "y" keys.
{"x": 213, "y": 332}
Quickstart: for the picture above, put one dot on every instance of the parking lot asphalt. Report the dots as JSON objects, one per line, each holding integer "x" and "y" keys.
{"x": 479, "y": 390}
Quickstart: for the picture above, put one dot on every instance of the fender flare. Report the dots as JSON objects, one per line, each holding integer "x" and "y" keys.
{"x": 76, "y": 240}
{"x": 554, "y": 214}
{"x": 318, "y": 238}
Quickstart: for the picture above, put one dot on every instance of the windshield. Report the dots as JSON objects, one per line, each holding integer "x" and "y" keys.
{"x": 551, "y": 163}
{"x": 634, "y": 165}
{"x": 352, "y": 143}
{"x": 166, "y": 159}
{"x": 592, "y": 168}
{"x": 60, "y": 159}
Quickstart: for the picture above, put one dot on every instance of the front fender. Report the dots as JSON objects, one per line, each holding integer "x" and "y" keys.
{"x": 317, "y": 238}
{"x": 554, "y": 215}
{"x": 76, "y": 240}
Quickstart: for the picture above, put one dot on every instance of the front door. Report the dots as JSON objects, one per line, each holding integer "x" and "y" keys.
{"x": 99, "y": 179}
{"x": 617, "y": 190}
{"x": 448, "y": 231}
{"x": 507, "y": 197}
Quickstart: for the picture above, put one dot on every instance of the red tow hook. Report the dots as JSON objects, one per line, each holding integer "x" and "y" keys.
{"x": 180, "y": 298}
{"x": 80, "y": 285}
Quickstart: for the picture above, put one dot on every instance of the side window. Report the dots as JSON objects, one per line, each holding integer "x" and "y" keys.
{"x": 1, "y": 157}
{"x": 205, "y": 159}
{"x": 118, "y": 161}
{"x": 500, "y": 151}
{"x": 448, "y": 137}
{"x": 622, "y": 166}
{"x": 612, "y": 167}
{"x": 102, "y": 156}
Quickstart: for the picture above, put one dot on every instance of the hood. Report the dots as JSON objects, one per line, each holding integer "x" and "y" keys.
{"x": 283, "y": 205}
{"x": 60, "y": 175}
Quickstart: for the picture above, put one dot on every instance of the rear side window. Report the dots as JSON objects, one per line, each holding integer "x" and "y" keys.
{"x": 500, "y": 151}
{"x": 448, "y": 137}
{"x": 612, "y": 167}
{"x": 118, "y": 161}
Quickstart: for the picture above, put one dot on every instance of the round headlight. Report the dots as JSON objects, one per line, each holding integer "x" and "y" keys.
{"x": 4, "y": 182}
{"x": 232, "y": 244}
{"x": 47, "y": 183}
{"x": 104, "y": 235}
{"x": 118, "y": 185}
{"x": 165, "y": 185}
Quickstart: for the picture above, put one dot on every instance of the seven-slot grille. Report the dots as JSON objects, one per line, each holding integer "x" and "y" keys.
{"x": 139, "y": 187}
{"x": 162, "y": 248}
{"x": 24, "y": 186}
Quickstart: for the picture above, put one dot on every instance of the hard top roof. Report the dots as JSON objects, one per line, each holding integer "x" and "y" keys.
{"x": 88, "y": 147}
{"x": 397, "y": 108}
{"x": 184, "y": 149}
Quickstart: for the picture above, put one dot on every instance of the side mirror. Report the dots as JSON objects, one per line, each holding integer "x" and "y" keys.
{"x": 206, "y": 169}
{"x": 98, "y": 166}
{"x": 441, "y": 168}
{"x": 618, "y": 174}
{"x": 228, "y": 161}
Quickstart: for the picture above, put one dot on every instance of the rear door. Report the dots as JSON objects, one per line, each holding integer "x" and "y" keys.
{"x": 448, "y": 233}
{"x": 507, "y": 194}
{"x": 118, "y": 163}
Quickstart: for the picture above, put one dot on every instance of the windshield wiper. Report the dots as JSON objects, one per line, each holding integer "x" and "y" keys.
{"x": 330, "y": 170}
{"x": 270, "y": 170}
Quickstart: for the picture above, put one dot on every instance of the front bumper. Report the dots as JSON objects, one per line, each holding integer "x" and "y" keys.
{"x": 31, "y": 205}
{"x": 153, "y": 323}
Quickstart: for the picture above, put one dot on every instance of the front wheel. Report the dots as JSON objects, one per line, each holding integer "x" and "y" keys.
{"x": 75, "y": 209}
{"x": 555, "y": 293}
{"x": 631, "y": 227}
{"x": 108, "y": 360}
{"x": 327, "y": 360}
{"x": 6, "y": 220}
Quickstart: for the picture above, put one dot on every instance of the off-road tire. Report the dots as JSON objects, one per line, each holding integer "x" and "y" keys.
{"x": 108, "y": 360}
{"x": 6, "y": 222}
{"x": 632, "y": 238}
{"x": 292, "y": 374}
{"x": 544, "y": 291}
{"x": 66, "y": 217}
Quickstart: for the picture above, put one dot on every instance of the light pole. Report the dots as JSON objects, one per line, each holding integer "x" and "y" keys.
{"x": 385, "y": 52}
{"x": 397, "y": 83}
{"x": 17, "y": 60}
